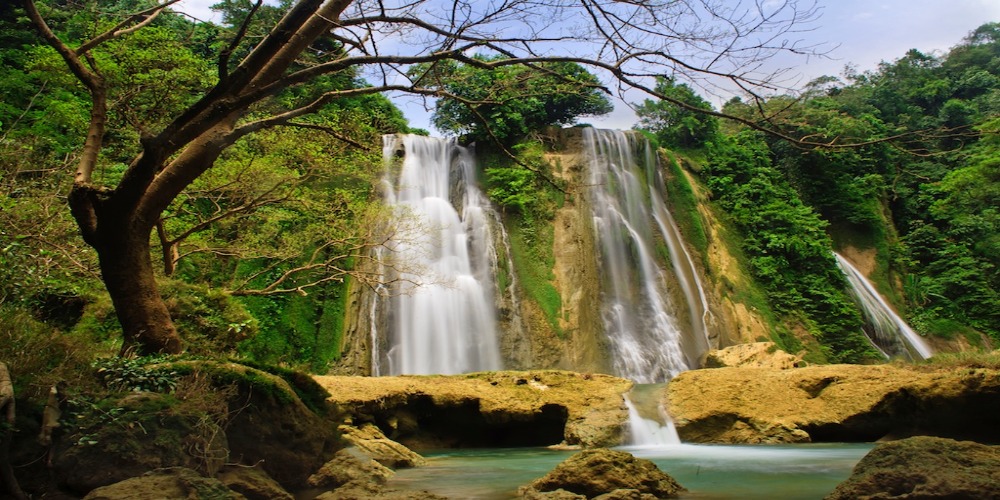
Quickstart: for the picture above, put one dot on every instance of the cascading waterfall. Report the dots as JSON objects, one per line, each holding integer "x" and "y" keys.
{"x": 442, "y": 319}
{"x": 651, "y": 425}
{"x": 885, "y": 328}
{"x": 648, "y": 344}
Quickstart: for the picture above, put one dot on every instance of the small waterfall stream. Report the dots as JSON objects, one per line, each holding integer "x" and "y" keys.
{"x": 885, "y": 328}
{"x": 648, "y": 342}
{"x": 649, "y": 423}
{"x": 442, "y": 319}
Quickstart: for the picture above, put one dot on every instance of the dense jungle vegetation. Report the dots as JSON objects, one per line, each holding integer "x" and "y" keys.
{"x": 256, "y": 255}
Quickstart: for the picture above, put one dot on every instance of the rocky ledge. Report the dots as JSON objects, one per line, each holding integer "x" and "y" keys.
{"x": 531, "y": 408}
{"x": 834, "y": 403}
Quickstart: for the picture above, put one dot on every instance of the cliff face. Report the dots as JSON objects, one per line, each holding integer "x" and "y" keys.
{"x": 579, "y": 343}
{"x": 574, "y": 337}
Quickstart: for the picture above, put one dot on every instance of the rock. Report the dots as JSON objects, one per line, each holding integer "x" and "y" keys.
{"x": 141, "y": 438}
{"x": 559, "y": 494}
{"x": 834, "y": 403}
{"x": 351, "y": 465}
{"x": 234, "y": 414}
{"x": 924, "y": 467}
{"x": 350, "y": 493}
{"x": 759, "y": 354}
{"x": 626, "y": 495}
{"x": 601, "y": 471}
{"x": 271, "y": 425}
{"x": 173, "y": 482}
{"x": 489, "y": 409}
{"x": 370, "y": 440}
{"x": 252, "y": 483}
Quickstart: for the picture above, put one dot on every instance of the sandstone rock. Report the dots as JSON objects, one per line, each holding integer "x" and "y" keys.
{"x": 597, "y": 472}
{"x": 252, "y": 483}
{"x": 560, "y": 494}
{"x": 533, "y": 408}
{"x": 349, "y": 492}
{"x": 351, "y": 465}
{"x": 924, "y": 467}
{"x": 370, "y": 440}
{"x": 758, "y": 354}
{"x": 173, "y": 482}
{"x": 626, "y": 495}
{"x": 834, "y": 403}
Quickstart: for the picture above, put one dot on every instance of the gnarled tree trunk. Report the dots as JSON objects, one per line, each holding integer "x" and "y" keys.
{"x": 127, "y": 270}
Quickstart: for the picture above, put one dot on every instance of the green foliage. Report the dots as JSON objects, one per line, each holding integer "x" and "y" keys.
{"x": 529, "y": 196}
{"x": 787, "y": 248}
{"x": 674, "y": 125}
{"x": 39, "y": 355}
{"x": 305, "y": 386}
{"x": 507, "y": 103}
{"x": 682, "y": 198}
{"x": 125, "y": 374}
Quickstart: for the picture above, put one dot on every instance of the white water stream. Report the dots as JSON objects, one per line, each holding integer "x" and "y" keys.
{"x": 442, "y": 319}
{"x": 648, "y": 342}
{"x": 887, "y": 330}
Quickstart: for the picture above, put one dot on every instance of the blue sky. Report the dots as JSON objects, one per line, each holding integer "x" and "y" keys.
{"x": 858, "y": 32}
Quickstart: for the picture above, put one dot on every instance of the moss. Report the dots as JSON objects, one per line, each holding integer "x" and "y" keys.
{"x": 534, "y": 260}
{"x": 681, "y": 196}
{"x": 530, "y": 198}
{"x": 312, "y": 394}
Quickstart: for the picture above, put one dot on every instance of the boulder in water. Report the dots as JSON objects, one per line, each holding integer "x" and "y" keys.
{"x": 370, "y": 440}
{"x": 351, "y": 466}
{"x": 597, "y": 472}
{"x": 924, "y": 467}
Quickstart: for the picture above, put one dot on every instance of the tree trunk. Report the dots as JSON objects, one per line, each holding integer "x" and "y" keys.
{"x": 8, "y": 482}
{"x": 127, "y": 271}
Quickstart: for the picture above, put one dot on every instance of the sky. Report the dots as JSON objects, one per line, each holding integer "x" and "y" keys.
{"x": 858, "y": 32}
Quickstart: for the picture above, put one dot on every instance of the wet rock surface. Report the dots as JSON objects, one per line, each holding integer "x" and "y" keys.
{"x": 924, "y": 467}
{"x": 603, "y": 473}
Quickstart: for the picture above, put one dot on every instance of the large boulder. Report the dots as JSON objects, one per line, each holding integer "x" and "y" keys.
{"x": 141, "y": 434}
{"x": 924, "y": 467}
{"x": 220, "y": 413}
{"x": 173, "y": 482}
{"x": 489, "y": 409}
{"x": 351, "y": 466}
{"x": 369, "y": 439}
{"x": 253, "y": 483}
{"x": 834, "y": 403}
{"x": 597, "y": 472}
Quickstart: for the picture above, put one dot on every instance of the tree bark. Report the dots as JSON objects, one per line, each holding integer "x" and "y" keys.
{"x": 127, "y": 270}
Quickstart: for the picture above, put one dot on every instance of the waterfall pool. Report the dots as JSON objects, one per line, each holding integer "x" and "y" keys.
{"x": 805, "y": 471}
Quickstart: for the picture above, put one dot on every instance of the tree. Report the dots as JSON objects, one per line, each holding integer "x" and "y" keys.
{"x": 628, "y": 42}
{"x": 508, "y": 103}
{"x": 673, "y": 125}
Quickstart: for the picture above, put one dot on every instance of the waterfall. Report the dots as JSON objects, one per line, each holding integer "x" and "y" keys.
{"x": 647, "y": 341}
{"x": 442, "y": 316}
{"x": 884, "y": 327}
{"x": 649, "y": 424}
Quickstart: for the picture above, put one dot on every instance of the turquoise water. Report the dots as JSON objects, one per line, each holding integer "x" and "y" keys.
{"x": 708, "y": 471}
